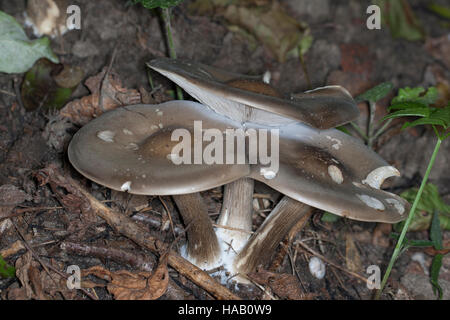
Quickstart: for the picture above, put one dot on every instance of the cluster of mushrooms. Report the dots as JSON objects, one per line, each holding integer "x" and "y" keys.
{"x": 130, "y": 149}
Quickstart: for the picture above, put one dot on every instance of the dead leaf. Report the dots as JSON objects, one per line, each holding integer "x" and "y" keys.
{"x": 445, "y": 249}
{"x": 49, "y": 85}
{"x": 284, "y": 285}
{"x": 114, "y": 95}
{"x": 126, "y": 285}
{"x": 352, "y": 257}
{"x": 37, "y": 283}
{"x": 380, "y": 235}
{"x": 10, "y": 196}
{"x": 439, "y": 48}
{"x": 272, "y": 26}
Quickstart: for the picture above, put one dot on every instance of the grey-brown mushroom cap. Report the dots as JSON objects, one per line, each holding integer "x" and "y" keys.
{"x": 332, "y": 171}
{"x": 322, "y": 108}
{"x": 130, "y": 149}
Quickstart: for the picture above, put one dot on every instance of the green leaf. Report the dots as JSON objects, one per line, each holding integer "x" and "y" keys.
{"x": 435, "y": 232}
{"x": 417, "y": 95}
{"x": 416, "y": 112}
{"x": 151, "y": 4}
{"x": 440, "y": 10}
{"x": 344, "y": 130}
{"x": 400, "y": 18}
{"x": 305, "y": 44}
{"x": 435, "y": 270}
{"x": 412, "y": 243}
{"x": 49, "y": 85}
{"x": 430, "y": 202}
{"x": 406, "y": 105}
{"x": 415, "y": 102}
{"x": 10, "y": 29}
{"x": 6, "y": 271}
{"x": 442, "y": 114}
{"x": 376, "y": 93}
{"x": 17, "y": 52}
{"x": 424, "y": 121}
{"x": 329, "y": 217}
{"x": 420, "y": 243}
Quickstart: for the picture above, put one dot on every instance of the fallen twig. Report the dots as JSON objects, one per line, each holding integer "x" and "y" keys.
{"x": 126, "y": 226}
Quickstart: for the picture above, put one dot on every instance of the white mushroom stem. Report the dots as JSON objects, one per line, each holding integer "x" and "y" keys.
{"x": 236, "y": 213}
{"x": 202, "y": 246}
{"x": 262, "y": 244}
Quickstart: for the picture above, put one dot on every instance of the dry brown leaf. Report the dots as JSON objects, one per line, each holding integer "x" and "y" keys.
{"x": 439, "y": 48}
{"x": 272, "y": 26}
{"x": 126, "y": 285}
{"x": 380, "y": 235}
{"x": 352, "y": 257}
{"x": 114, "y": 95}
{"x": 445, "y": 249}
{"x": 10, "y": 196}
{"x": 285, "y": 286}
{"x": 22, "y": 265}
{"x": 37, "y": 283}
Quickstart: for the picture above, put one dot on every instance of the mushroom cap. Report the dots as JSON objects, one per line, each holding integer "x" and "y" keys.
{"x": 128, "y": 149}
{"x": 333, "y": 171}
{"x": 321, "y": 108}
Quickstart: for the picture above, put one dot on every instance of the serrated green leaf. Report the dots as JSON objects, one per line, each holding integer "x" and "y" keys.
{"x": 418, "y": 94}
{"x": 406, "y": 105}
{"x": 429, "y": 202}
{"x": 17, "y": 53}
{"x": 6, "y": 271}
{"x": 423, "y": 121}
{"x": 442, "y": 114}
{"x": 435, "y": 270}
{"x": 376, "y": 93}
{"x": 151, "y": 4}
{"x": 416, "y": 112}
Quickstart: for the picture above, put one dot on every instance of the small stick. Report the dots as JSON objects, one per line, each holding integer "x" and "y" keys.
{"x": 169, "y": 215}
{"x": 119, "y": 255}
{"x": 231, "y": 228}
{"x": 7, "y": 93}
{"x": 105, "y": 78}
{"x": 126, "y": 226}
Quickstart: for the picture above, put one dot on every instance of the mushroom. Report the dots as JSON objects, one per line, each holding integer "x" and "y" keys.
{"x": 319, "y": 166}
{"x": 325, "y": 169}
{"x": 131, "y": 149}
{"x": 247, "y": 99}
